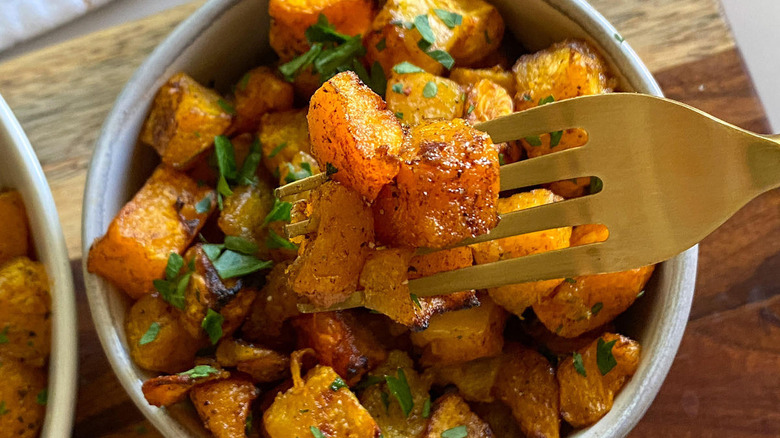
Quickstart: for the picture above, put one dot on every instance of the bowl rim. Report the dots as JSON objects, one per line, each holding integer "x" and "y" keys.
{"x": 49, "y": 241}
{"x": 165, "y": 54}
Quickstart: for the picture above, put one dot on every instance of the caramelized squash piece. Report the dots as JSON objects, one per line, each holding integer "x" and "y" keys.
{"x": 259, "y": 91}
{"x": 25, "y": 311}
{"x": 22, "y": 384}
{"x": 327, "y": 268}
{"x": 263, "y": 364}
{"x": 422, "y": 97}
{"x": 451, "y": 412}
{"x": 462, "y": 336}
{"x": 585, "y": 399}
{"x": 487, "y": 100}
{"x": 244, "y": 213}
{"x": 474, "y": 379}
{"x": 224, "y": 405}
{"x": 517, "y": 297}
{"x": 441, "y": 261}
{"x": 275, "y": 304}
{"x": 14, "y": 230}
{"x": 168, "y": 390}
{"x": 526, "y": 383}
{"x": 282, "y": 136}
{"x": 447, "y": 192}
{"x": 341, "y": 343}
{"x": 351, "y": 128}
{"x": 160, "y": 219}
{"x": 313, "y": 403}
{"x": 468, "y": 77}
{"x": 184, "y": 120}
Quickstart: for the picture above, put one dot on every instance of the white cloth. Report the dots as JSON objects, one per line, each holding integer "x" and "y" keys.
{"x": 23, "y": 19}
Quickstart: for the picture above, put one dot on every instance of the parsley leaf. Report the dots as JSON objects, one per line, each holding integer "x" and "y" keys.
{"x": 426, "y": 411}
{"x": 604, "y": 358}
{"x": 570, "y": 280}
{"x": 212, "y": 324}
{"x": 226, "y": 157}
{"x": 316, "y": 432}
{"x": 175, "y": 263}
{"x": 292, "y": 69}
{"x": 244, "y": 82}
{"x": 279, "y": 212}
{"x": 546, "y": 100}
{"x": 424, "y": 27}
{"x": 239, "y": 244}
{"x": 150, "y": 335}
{"x": 430, "y": 90}
{"x": 578, "y": 365}
{"x": 330, "y": 169}
{"x": 407, "y": 67}
{"x": 322, "y": 31}
{"x": 232, "y": 264}
{"x": 376, "y": 79}
{"x": 534, "y": 140}
{"x": 247, "y": 174}
{"x": 330, "y": 61}
{"x": 471, "y": 109}
{"x": 337, "y": 384}
{"x": 596, "y": 308}
{"x": 212, "y": 250}
{"x": 381, "y": 45}
{"x": 416, "y": 301}
{"x": 619, "y": 38}
{"x": 204, "y": 204}
{"x": 275, "y": 241}
{"x": 399, "y": 115}
{"x": 442, "y": 58}
{"x": 173, "y": 287}
{"x": 450, "y": 19}
{"x": 399, "y": 388}
{"x": 200, "y": 371}
{"x": 456, "y": 432}
{"x": 4, "y": 335}
{"x": 295, "y": 175}
{"x": 228, "y": 108}
{"x": 398, "y": 88}
{"x": 277, "y": 149}
{"x": 555, "y": 138}
{"x": 43, "y": 397}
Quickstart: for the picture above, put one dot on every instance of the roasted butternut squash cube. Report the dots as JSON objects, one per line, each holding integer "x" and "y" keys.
{"x": 394, "y": 419}
{"x": 275, "y": 304}
{"x": 25, "y": 311}
{"x": 259, "y": 91}
{"x": 552, "y": 345}
{"x": 312, "y": 404}
{"x": 168, "y": 390}
{"x": 451, "y": 412}
{"x": 591, "y": 233}
{"x": 22, "y": 385}
{"x": 224, "y": 405}
{"x": 421, "y": 97}
{"x": 14, "y": 230}
{"x": 486, "y": 100}
{"x": 474, "y": 379}
{"x": 517, "y": 297}
{"x": 351, "y": 128}
{"x": 499, "y": 417}
{"x": 341, "y": 343}
{"x": 173, "y": 349}
{"x": 587, "y": 398}
{"x": 526, "y": 383}
{"x": 468, "y": 77}
{"x": 462, "y": 336}
{"x": 184, "y": 120}
{"x": 160, "y": 219}
{"x": 441, "y": 261}
{"x": 584, "y": 303}
{"x": 447, "y": 192}
{"x": 478, "y": 33}
{"x": 282, "y": 135}
{"x": 244, "y": 214}
{"x": 290, "y": 19}
{"x": 326, "y": 271}
{"x": 207, "y": 291}
{"x": 386, "y": 290}
{"x": 263, "y": 364}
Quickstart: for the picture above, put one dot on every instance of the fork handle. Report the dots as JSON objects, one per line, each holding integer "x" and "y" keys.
{"x": 765, "y": 162}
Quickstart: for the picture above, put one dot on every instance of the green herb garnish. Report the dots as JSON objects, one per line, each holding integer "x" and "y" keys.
{"x": 487, "y": 37}
{"x": 430, "y": 90}
{"x": 578, "y": 365}
{"x": 204, "y": 204}
{"x": 399, "y": 115}
{"x": 292, "y": 69}
{"x": 330, "y": 169}
{"x": 243, "y": 82}
{"x": 369, "y": 380}
{"x": 279, "y": 212}
{"x": 641, "y": 292}
{"x": 200, "y": 371}
{"x": 231, "y": 264}
{"x": 381, "y": 45}
{"x": 426, "y": 411}
{"x": 295, "y": 175}
{"x": 604, "y": 358}
{"x": 416, "y": 301}
{"x": 228, "y": 108}
{"x": 239, "y": 244}
{"x": 398, "y": 88}
{"x": 213, "y": 250}
{"x": 275, "y": 241}
{"x": 570, "y": 280}
{"x": 456, "y": 432}
{"x": 337, "y": 384}
{"x": 470, "y": 110}
{"x": 43, "y": 397}
{"x": 619, "y": 38}
{"x": 277, "y": 149}
{"x": 424, "y": 27}
{"x": 596, "y": 308}
{"x": 534, "y": 140}
{"x": 407, "y": 67}
{"x": 546, "y": 100}
{"x": 399, "y": 388}
{"x": 555, "y": 138}
{"x": 212, "y": 325}
{"x": 450, "y": 19}
{"x": 375, "y": 79}
{"x": 246, "y": 175}
{"x": 173, "y": 287}
{"x": 442, "y": 58}
{"x": 316, "y": 432}
{"x": 150, "y": 335}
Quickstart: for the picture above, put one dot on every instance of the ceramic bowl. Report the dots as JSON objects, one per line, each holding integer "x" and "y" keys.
{"x": 225, "y": 38}
{"x": 20, "y": 170}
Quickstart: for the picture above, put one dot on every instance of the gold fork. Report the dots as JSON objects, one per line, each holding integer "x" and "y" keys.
{"x": 671, "y": 175}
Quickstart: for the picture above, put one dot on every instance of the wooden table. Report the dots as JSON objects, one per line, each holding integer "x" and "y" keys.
{"x": 726, "y": 378}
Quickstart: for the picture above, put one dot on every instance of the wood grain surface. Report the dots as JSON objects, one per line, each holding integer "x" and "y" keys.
{"x": 726, "y": 378}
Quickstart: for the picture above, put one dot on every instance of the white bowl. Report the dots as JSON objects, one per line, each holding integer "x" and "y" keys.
{"x": 20, "y": 170}
{"x": 225, "y": 38}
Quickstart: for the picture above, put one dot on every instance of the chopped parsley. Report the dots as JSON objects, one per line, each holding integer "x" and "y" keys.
{"x": 4, "y": 335}
{"x": 546, "y": 100}
{"x": 456, "y": 432}
{"x": 398, "y": 88}
{"x": 450, "y": 19}
{"x": 399, "y": 388}
{"x": 226, "y": 163}
{"x": 175, "y": 263}
{"x": 619, "y": 38}
{"x": 381, "y": 45}
{"x": 228, "y": 108}
{"x": 279, "y": 212}
{"x": 596, "y": 308}
{"x": 578, "y": 365}
{"x": 231, "y": 264}
{"x": 385, "y": 400}
{"x": 470, "y": 109}
{"x": 375, "y": 78}
{"x": 295, "y": 175}
{"x": 275, "y": 241}
{"x": 277, "y": 149}
{"x": 426, "y": 411}
{"x": 330, "y": 169}
{"x": 200, "y": 371}
{"x": 292, "y": 69}
{"x": 416, "y": 301}
{"x": 246, "y": 176}
{"x": 424, "y": 27}
{"x": 213, "y": 250}
{"x": 604, "y": 358}
{"x": 369, "y": 380}
{"x": 43, "y": 397}
{"x": 555, "y": 138}
{"x": 239, "y": 244}
{"x": 212, "y": 325}
{"x": 151, "y": 334}
{"x": 399, "y": 115}
{"x": 570, "y": 280}
{"x": 174, "y": 285}
{"x": 641, "y": 292}
{"x": 442, "y": 58}
{"x": 534, "y": 140}
{"x": 204, "y": 204}
{"x": 316, "y": 432}
{"x": 337, "y": 384}
{"x": 430, "y": 90}
{"x": 242, "y": 84}
{"x": 407, "y": 67}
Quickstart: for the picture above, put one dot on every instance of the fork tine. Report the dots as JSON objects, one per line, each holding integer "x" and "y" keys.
{"x": 354, "y": 300}
{"x": 534, "y": 121}
{"x": 569, "y": 262}
{"x": 566, "y": 164}
{"x": 301, "y": 185}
